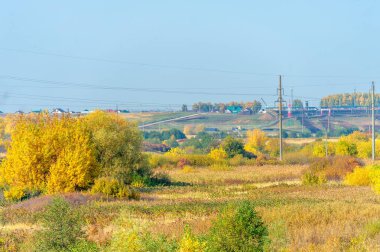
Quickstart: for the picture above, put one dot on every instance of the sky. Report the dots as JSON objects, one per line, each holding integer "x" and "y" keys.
{"x": 141, "y": 55}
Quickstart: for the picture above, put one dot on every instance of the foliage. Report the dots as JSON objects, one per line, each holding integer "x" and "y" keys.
{"x": 255, "y": 106}
{"x": 164, "y": 135}
{"x": 112, "y": 187}
{"x": 218, "y": 154}
{"x": 134, "y": 237}
{"x": 49, "y": 153}
{"x": 332, "y": 168}
{"x": 14, "y": 193}
{"x": 233, "y": 147}
{"x": 62, "y": 227}
{"x": 256, "y": 141}
{"x": 319, "y": 149}
{"x": 203, "y": 142}
{"x": 118, "y": 146}
{"x": 310, "y": 178}
{"x": 238, "y": 228}
{"x": 355, "y": 99}
{"x": 359, "y": 177}
{"x": 65, "y": 154}
{"x": 189, "y": 243}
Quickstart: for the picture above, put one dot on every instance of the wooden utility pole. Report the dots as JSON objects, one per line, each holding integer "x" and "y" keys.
{"x": 373, "y": 121}
{"x": 280, "y": 114}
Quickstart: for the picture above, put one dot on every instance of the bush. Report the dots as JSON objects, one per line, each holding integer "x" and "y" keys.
{"x": 189, "y": 243}
{"x": 238, "y": 228}
{"x": 233, "y": 147}
{"x": 359, "y": 177}
{"x": 112, "y": 187}
{"x": 237, "y": 160}
{"x": 62, "y": 227}
{"x": 332, "y": 168}
{"x": 310, "y": 178}
{"x": 218, "y": 154}
{"x": 14, "y": 193}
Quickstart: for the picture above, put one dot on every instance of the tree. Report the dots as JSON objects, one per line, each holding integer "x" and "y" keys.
{"x": 184, "y": 108}
{"x": 256, "y": 141}
{"x": 238, "y": 228}
{"x": 118, "y": 146}
{"x": 62, "y": 227}
{"x": 256, "y": 106}
{"x": 233, "y": 147}
{"x": 297, "y": 104}
{"x": 49, "y": 153}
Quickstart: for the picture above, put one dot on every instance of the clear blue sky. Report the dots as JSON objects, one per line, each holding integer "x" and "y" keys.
{"x": 142, "y": 54}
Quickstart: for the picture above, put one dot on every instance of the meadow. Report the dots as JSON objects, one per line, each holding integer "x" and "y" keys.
{"x": 328, "y": 217}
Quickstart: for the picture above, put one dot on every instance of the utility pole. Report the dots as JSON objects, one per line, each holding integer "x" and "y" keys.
{"x": 327, "y": 134}
{"x": 280, "y": 114}
{"x": 373, "y": 121}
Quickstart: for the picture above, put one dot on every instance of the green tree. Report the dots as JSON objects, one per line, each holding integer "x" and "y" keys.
{"x": 233, "y": 146}
{"x": 62, "y": 227}
{"x": 238, "y": 229}
{"x": 297, "y": 104}
{"x": 118, "y": 145}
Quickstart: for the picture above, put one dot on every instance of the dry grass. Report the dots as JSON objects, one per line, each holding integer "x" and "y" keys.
{"x": 331, "y": 217}
{"x": 238, "y": 175}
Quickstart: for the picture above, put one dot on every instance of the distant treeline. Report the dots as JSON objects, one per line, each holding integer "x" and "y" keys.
{"x": 349, "y": 100}
{"x": 255, "y": 106}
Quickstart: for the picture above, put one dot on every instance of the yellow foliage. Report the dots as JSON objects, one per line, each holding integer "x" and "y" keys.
{"x": 189, "y": 243}
{"x": 175, "y": 153}
{"x": 14, "y": 194}
{"x": 359, "y": 177}
{"x": 256, "y": 141}
{"x": 218, "y": 154}
{"x": 370, "y": 175}
{"x": 49, "y": 153}
{"x": 319, "y": 149}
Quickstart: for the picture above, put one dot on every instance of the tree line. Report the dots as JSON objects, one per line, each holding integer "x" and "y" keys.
{"x": 255, "y": 106}
{"x": 349, "y": 100}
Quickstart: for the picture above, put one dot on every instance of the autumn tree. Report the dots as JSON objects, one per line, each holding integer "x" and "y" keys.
{"x": 118, "y": 146}
{"x": 256, "y": 141}
{"x": 50, "y": 154}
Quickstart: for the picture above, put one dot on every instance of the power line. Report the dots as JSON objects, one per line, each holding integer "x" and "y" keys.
{"x": 150, "y": 90}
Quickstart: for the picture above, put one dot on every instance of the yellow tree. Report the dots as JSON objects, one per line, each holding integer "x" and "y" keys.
{"x": 256, "y": 141}
{"x": 48, "y": 151}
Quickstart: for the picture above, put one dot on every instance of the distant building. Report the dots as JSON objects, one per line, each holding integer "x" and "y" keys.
{"x": 246, "y": 111}
{"x": 211, "y": 130}
{"x": 19, "y": 112}
{"x": 234, "y": 109}
{"x": 58, "y": 111}
{"x": 36, "y": 111}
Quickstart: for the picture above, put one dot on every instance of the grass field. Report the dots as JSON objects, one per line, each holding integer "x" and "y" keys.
{"x": 331, "y": 217}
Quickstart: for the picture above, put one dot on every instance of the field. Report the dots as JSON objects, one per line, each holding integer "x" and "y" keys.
{"x": 331, "y": 217}
{"x": 264, "y": 121}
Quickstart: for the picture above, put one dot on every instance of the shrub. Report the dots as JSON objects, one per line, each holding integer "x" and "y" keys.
{"x": 157, "y": 160}
{"x": 310, "y": 178}
{"x": 14, "y": 193}
{"x": 332, "y": 168}
{"x": 189, "y": 243}
{"x": 233, "y": 146}
{"x": 237, "y": 160}
{"x": 62, "y": 227}
{"x": 238, "y": 229}
{"x": 359, "y": 177}
{"x": 218, "y": 154}
{"x": 111, "y": 187}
